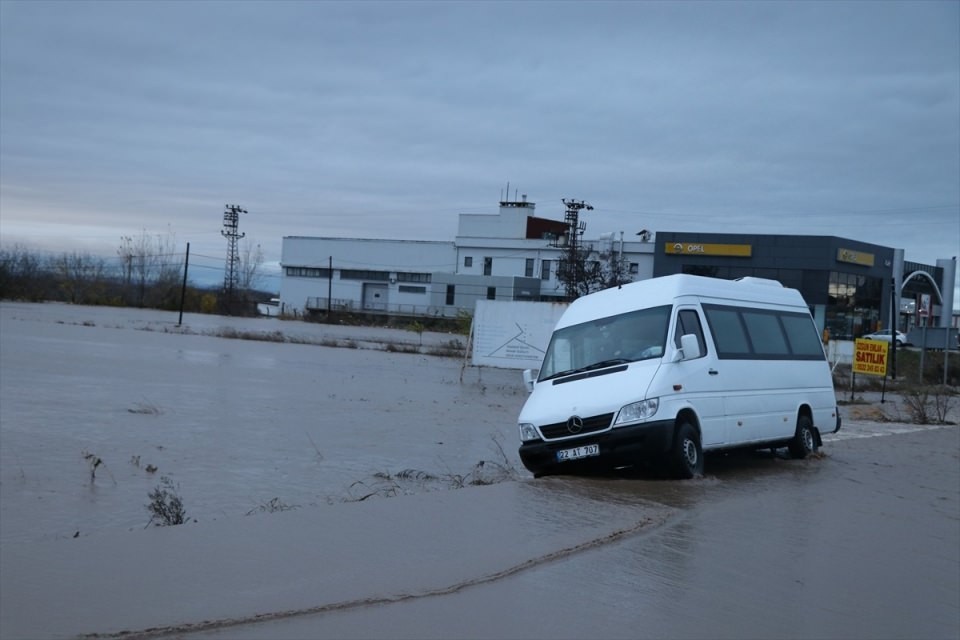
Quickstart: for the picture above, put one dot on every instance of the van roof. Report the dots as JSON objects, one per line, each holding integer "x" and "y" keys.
{"x": 665, "y": 289}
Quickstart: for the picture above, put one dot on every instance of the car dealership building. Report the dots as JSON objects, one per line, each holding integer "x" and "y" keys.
{"x": 849, "y": 285}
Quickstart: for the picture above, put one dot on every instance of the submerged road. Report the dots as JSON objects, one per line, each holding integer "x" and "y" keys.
{"x": 863, "y": 542}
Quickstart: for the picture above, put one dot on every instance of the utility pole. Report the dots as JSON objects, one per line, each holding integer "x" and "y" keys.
{"x": 231, "y": 220}
{"x": 575, "y": 229}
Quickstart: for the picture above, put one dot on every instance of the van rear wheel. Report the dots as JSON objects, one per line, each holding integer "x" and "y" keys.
{"x": 687, "y": 453}
{"x": 804, "y": 441}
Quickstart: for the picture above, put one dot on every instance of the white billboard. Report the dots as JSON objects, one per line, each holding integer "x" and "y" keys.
{"x": 513, "y": 335}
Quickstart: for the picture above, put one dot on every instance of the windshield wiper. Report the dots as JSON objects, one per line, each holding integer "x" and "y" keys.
{"x": 589, "y": 367}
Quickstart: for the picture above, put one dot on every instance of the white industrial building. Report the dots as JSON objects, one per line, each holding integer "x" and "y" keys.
{"x": 510, "y": 255}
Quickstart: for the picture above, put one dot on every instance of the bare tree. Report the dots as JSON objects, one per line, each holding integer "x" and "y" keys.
{"x": 251, "y": 264}
{"x": 125, "y": 252}
{"x": 578, "y": 273}
{"x": 149, "y": 260}
{"x": 588, "y": 270}
{"x": 614, "y": 270}
{"x": 20, "y": 273}
{"x": 81, "y": 277}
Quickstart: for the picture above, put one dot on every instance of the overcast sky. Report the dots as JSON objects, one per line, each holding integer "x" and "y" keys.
{"x": 387, "y": 120}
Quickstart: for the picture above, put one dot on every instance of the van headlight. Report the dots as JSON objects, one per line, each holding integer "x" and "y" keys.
{"x": 528, "y": 432}
{"x": 637, "y": 411}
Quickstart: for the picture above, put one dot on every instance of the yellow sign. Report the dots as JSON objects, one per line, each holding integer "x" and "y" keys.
{"x": 856, "y": 257}
{"x": 700, "y": 249}
{"x": 870, "y": 357}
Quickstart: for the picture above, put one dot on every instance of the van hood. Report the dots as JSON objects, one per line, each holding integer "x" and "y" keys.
{"x": 550, "y": 403}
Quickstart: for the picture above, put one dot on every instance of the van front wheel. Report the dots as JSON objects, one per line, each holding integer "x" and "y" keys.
{"x": 687, "y": 453}
{"x": 804, "y": 441}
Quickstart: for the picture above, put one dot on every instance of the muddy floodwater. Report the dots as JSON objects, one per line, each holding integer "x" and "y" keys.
{"x": 382, "y": 523}
{"x": 862, "y": 543}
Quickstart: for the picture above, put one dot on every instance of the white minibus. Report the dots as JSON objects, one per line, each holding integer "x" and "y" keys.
{"x": 670, "y": 367}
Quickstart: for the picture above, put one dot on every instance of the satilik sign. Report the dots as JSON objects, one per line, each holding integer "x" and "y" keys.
{"x": 870, "y": 357}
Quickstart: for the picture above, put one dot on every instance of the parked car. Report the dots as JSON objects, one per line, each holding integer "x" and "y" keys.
{"x": 884, "y": 336}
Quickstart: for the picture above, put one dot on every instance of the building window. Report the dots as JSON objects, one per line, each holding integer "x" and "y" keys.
{"x": 413, "y": 277}
{"x": 451, "y": 290}
{"x": 488, "y": 266}
{"x": 405, "y": 288}
{"x": 360, "y": 274}
{"x": 545, "y": 270}
{"x": 468, "y": 261}
{"x": 306, "y": 272}
{"x": 528, "y": 269}
{"x": 491, "y": 293}
{"x": 634, "y": 268}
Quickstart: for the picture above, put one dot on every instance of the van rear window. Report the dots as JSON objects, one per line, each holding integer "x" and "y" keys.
{"x": 763, "y": 334}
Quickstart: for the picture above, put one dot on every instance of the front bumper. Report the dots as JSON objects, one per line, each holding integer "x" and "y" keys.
{"x": 618, "y": 447}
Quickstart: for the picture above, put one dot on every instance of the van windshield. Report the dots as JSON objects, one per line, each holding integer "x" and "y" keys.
{"x": 638, "y": 335}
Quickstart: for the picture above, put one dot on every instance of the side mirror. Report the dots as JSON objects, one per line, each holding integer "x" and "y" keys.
{"x": 689, "y": 347}
{"x": 530, "y": 379}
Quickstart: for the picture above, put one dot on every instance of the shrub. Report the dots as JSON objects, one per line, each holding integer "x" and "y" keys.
{"x": 166, "y": 506}
{"x": 928, "y": 404}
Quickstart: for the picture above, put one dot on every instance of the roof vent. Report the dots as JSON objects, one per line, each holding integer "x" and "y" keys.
{"x": 762, "y": 281}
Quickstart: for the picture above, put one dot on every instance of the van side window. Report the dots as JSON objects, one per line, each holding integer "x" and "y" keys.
{"x": 763, "y": 334}
{"x": 688, "y": 321}
{"x": 728, "y": 332}
{"x": 803, "y": 342}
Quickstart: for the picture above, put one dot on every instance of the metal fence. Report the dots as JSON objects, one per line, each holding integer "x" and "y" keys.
{"x": 383, "y": 308}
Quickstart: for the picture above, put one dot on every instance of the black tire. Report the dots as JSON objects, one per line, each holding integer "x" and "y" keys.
{"x": 804, "y": 441}
{"x": 687, "y": 453}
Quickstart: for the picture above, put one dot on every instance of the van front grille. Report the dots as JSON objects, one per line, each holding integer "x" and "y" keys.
{"x": 563, "y": 430}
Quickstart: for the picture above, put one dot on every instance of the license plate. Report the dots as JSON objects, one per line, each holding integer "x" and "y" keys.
{"x": 578, "y": 452}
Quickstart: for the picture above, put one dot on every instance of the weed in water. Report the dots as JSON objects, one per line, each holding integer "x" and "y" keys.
{"x": 166, "y": 506}
{"x": 272, "y": 506}
{"x": 145, "y": 408}
{"x": 315, "y": 448}
{"x": 95, "y": 462}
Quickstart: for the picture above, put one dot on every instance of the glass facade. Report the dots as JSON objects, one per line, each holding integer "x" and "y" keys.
{"x": 853, "y": 307}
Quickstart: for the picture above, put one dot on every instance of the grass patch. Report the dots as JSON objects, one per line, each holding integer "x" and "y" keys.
{"x": 261, "y": 336}
{"x": 395, "y": 347}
